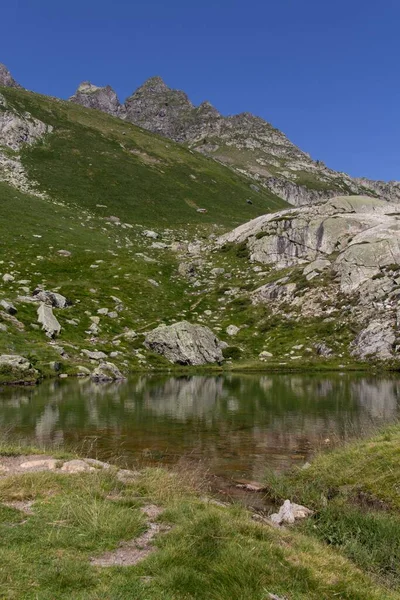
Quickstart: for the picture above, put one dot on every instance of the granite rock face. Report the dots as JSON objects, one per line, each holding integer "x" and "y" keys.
{"x": 362, "y": 231}
{"x": 185, "y": 344}
{"x": 352, "y": 245}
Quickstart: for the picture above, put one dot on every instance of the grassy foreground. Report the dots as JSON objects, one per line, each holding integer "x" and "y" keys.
{"x": 211, "y": 552}
{"x": 355, "y": 492}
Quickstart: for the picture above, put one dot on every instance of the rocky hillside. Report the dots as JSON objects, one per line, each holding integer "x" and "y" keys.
{"x": 116, "y": 255}
{"x": 246, "y": 143}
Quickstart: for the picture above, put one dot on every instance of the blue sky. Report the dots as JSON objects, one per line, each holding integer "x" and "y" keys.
{"x": 325, "y": 73}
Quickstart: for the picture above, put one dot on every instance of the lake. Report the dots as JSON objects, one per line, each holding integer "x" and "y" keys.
{"x": 236, "y": 425}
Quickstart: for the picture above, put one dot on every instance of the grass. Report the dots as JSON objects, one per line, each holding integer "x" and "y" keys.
{"x": 211, "y": 552}
{"x": 356, "y": 495}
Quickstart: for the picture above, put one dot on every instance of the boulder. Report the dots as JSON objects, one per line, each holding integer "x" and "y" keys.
{"x": 376, "y": 340}
{"x": 95, "y": 354}
{"x": 16, "y": 369}
{"x": 8, "y": 307}
{"x": 52, "y": 298}
{"x": 290, "y": 512}
{"x": 47, "y": 320}
{"x": 185, "y": 344}
{"x": 107, "y": 371}
{"x": 232, "y": 330}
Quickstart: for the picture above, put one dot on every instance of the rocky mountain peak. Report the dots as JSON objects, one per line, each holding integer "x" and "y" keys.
{"x": 245, "y": 142}
{"x": 6, "y": 79}
{"x": 154, "y": 84}
{"x": 100, "y": 98}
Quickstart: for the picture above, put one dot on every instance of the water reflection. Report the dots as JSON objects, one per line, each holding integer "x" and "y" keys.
{"x": 236, "y": 424}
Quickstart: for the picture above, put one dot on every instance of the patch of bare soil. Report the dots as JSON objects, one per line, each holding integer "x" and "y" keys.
{"x": 21, "y": 505}
{"x": 132, "y": 552}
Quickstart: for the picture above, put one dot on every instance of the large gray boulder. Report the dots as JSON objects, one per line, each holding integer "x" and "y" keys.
{"x": 48, "y": 321}
{"x": 52, "y": 298}
{"x": 185, "y": 344}
{"x": 105, "y": 372}
{"x": 17, "y": 369}
{"x": 377, "y": 340}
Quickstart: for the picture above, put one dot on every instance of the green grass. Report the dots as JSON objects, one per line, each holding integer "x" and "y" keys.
{"x": 92, "y": 158}
{"x": 355, "y": 493}
{"x": 210, "y": 553}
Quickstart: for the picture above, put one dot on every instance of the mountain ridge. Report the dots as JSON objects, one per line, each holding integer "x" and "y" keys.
{"x": 244, "y": 142}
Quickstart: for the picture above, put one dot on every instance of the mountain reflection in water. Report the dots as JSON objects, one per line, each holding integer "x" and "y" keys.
{"x": 235, "y": 424}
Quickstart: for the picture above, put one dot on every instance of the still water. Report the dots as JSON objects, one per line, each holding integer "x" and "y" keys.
{"x": 236, "y": 425}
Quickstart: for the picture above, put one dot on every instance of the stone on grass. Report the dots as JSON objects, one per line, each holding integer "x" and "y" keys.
{"x": 107, "y": 371}
{"x": 52, "y": 298}
{"x": 8, "y": 307}
{"x": 43, "y": 464}
{"x": 184, "y": 343}
{"x": 232, "y": 330}
{"x": 94, "y": 354}
{"x": 17, "y": 368}
{"x": 290, "y": 512}
{"x": 7, "y": 278}
{"x": 47, "y": 320}
{"x": 76, "y": 466}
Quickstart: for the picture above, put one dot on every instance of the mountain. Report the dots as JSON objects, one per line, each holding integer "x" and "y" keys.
{"x": 244, "y": 142}
{"x": 124, "y": 250}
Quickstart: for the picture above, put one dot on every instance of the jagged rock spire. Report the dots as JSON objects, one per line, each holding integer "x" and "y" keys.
{"x": 100, "y": 98}
{"x": 6, "y": 79}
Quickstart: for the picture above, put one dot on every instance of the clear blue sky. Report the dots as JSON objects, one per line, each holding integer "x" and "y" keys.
{"x": 325, "y": 72}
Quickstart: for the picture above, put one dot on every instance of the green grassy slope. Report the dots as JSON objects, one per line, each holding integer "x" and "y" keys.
{"x": 93, "y": 166}
{"x": 208, "y": 552}
{"x": 92, "y": 158}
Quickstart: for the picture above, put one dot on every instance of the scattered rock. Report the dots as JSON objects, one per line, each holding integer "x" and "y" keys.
{"x": 8, "y": 307}
{"x": 65, "y": 253}
{"x": 94, "y": 354}
{"x": 107, "y": 371}
{"x": 7, "y": 278}
{"x": 48, "y": 321}
{"x": 17, "y": 368}
{"x": 289, "y": 513}
{"x": 51, "y": 298}
{"x": 42, "y": 464}
{"x": 323, "y": 350}
{"x": 185, "y": 344}
{"x": 232, "y": 330}
{"x": 150, "y": 234}
{"x": 76, "y": 466}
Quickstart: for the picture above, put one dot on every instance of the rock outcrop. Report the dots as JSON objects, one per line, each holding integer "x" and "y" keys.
{"x": 106, "y": 372}
{"x": 185, "y": 344}
{"x": 350, "y": 243}
{"x": 100, "y": 98}
{"x": 17, "y": 369}
{"x": 6, "y": 79}
{"x": 363, "y": 233}
{"x": 48, "y": 321}
{"x": 16, "y": 131}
